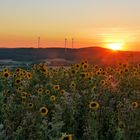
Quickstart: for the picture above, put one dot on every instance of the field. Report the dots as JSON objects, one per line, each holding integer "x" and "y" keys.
{"x": 82, "y": 102}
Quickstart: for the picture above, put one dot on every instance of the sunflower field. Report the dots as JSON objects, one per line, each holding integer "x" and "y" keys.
{"x": 81, "y": 102}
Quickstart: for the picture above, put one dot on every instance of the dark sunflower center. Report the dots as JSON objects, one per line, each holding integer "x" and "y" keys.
{"x": 17, "y": 70}
{"x": 134, "y": 104}
{"x": 83, "y": 75}
{"x": 43, "y": 110}
{"x": 66, "y": 138}
{"x": 93, "y": 104}
{"x": 18, "y": 81}
{"x": 6, "y": 74}
{"x": 73, "y": 71}
{"x": 85, "y": 66}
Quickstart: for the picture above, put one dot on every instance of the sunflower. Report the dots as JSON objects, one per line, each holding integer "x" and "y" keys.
{"x": 103, "y": 73}
{"x": 136, "y": 73}
{"x": 102, "y": 82}
{"x": 19, "y": 89}
{"x": 43, "y": 111}
{"x": 85, "y": 66}
{"x": 56, "y": 87}
{"x": 73, "y": 72}
{"x": 62, "y": 92}
{"x": 5, "y": 70}
{"x": 120, "y": 72}
{"x": 100, "y": 69}
{"x": 93, "y": 89}
{"x": 126, "y": 70}
{"x": 83, "y": 75}
{"x": 6, "y": 74}
{"x": 47, "y": 91}
{"x": 94, "y": 105}
{"x": 19, "y": 128}
{"x": 18, "y": 81}
{"x": 17, "y": 70}
{"x": 29, "y": 75}
{"x": 82, "y": 63}
{"x": 53, "y": 98}
{"x": 21, "y": 74}
{"x": 77, "y": 66}
{"x": 30, "y": 105}
{"x": 135, "y": 104}
{"x": 24, "y": 95}
{"x": 138, "y": 65}
{"x": 125, "y": 65}
{"x": 98, "y": 72}
{"x": 72, "y": 85}
{"x": 40, "y": 91}
{"x": 96, "y": 67}
{"x": 14, "y": 75}
{"x": 66, "y": 137}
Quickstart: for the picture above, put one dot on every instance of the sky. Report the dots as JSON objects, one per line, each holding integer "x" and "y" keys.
{"x": 89, "y": 22}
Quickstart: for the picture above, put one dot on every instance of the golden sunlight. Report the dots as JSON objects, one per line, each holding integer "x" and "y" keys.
{"x": 115, "y": 46}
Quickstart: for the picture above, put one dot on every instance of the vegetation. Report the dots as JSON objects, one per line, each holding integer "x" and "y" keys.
{"x": 83, "y": 102}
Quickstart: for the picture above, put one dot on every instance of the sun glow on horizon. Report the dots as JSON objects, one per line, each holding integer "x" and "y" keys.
{"x": 115, "y": 46}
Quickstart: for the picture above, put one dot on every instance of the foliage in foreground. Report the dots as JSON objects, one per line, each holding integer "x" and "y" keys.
{"x": 77, "y": 103}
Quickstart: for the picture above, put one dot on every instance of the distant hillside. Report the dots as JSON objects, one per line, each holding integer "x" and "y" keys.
{"x": 92, "y": 54}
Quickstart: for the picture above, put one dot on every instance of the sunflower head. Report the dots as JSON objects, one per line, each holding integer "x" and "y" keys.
{"x": 29, "y": 75}
{"x": 43, "y": 111}
{"x": 66, "y": 137}
{"x": 72, "y": 85}
{"x": 85, "y": 66}
{"x": 5, "y": 69}
{"x": 17, "y": 81}
{"x": 126, "y": 70}
{"x": 47, "y": 92}
{"x": 102, "y": 82}
{"x": 20, "y": 89}
{"x": 6, "y": 74}
{"x": 73, "y": 72}
{"x": 93, "y": 89}
{"x": 62, "y": 92}
{"x": 24, "y": 95}
{"x": 17, "y": 69}
{"x": 40, "y": 90}
{"x": 56, "y": 87}
{"x": 94, "y": 105}
{"x": 98, "y": 72}
{"x": 30, "y": 105}
{"x": 83, "y": 75}
{"x": 125, "y": 65}
{"x": 53, "y": 98}
{"x": 120, "y": 72}
{"x": 138, "y": 65}
{"x": 77, "y": 66}
{"x": 96, "y": 67}
{"x": 135, "y": 104}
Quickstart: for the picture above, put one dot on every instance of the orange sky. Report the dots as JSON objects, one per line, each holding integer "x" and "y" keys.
{"x": 90, "y": 23}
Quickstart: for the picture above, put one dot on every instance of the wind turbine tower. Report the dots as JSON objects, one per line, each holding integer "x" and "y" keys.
{"x": 39, "y": 42}
{"x": 72, "y": 43}
{"x": 65, "y": 44}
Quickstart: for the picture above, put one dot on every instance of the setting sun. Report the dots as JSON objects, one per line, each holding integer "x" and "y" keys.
{"x": 115, "y": 46}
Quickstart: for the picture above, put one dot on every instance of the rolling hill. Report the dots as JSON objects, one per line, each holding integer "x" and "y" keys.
{"x": 92, "y": 54}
